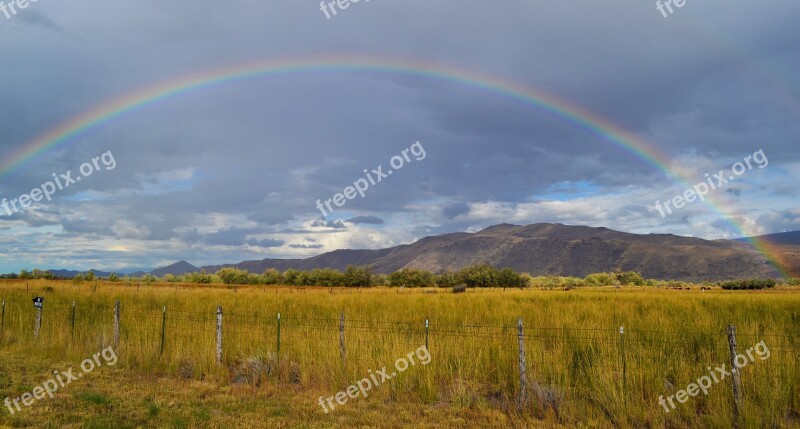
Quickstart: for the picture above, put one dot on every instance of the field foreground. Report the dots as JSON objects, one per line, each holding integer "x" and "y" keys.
{"x": 581, "y": 368}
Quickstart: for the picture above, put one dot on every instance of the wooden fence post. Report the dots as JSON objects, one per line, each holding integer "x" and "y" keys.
{"x": 342, "y": 350}
{"x": 116, "y": 324}
{"x": 163, "y": 329}
{"x": 523, "y": 379}
{"x": 624, "y": 364}
{"x": 72, "y": 322}
{"x": 427, "y": 325}
{"x": 737, "y": 381}
{"x": 219, "y": 335}
{"x": 38, "y": 326}
{"x": 279, "y": 335}
{"x": 3, "y": 318}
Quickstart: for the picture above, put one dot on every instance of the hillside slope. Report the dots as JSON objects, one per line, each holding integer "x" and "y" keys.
{"x": 551, "y": 249}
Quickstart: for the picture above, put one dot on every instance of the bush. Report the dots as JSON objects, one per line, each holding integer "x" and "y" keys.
{"x": 357, "y": 276}
{"x": 380, "y": 280}
{"x": 290, "y": 277}
{"x": 479, "y": 276}
{"x": 272, "y": 277}
{"x": 411, "y": 277}
{"x": 749, "y": 284}
{"x": 630, "y": 278}
{"x": 199, "y": 278}
{"x": 327, "y": 277}
{"x": 509, "y": 278}
{"x": 447, "y": 279}
{"x": 600, "y": 279}
{"x": 234, "y": 276}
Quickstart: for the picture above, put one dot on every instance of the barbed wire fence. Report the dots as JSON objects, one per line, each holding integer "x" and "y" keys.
{"x": 520, "y": 354}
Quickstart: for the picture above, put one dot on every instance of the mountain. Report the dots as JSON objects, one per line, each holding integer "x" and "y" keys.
{"x": 781, "y": 238}
{"x": 783, "y": 247}
{"x": 550, "y": 249}
{"x": 68, "y": 274}
{"x": 176, "y": 269}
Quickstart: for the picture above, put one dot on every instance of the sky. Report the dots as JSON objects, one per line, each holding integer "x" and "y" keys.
{"x": 234, "y": 170}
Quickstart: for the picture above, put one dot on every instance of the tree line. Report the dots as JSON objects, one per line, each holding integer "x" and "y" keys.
{"x": 475, "y": 276}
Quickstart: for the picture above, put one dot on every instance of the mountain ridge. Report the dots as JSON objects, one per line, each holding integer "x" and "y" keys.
{"x": 546, "y": 249}
{"x": 549, "y": 249}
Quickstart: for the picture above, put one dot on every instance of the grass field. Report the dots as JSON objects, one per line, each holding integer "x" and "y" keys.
{"x": 581, "y": 371}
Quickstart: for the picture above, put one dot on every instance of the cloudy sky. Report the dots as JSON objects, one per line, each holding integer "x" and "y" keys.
{"x": 233, "y": 171}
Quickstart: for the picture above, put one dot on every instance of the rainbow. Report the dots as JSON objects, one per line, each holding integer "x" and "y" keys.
{"x": 561, "y": 109}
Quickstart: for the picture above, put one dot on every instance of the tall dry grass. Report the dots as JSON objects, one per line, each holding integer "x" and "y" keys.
{"x": 573, "y": 345}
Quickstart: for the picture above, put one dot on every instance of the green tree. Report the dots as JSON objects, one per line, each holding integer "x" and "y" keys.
{"x": 600, "y": 279}
{"x": 412, "y": 277}
{"x": 357, "y": 276}
{"x": 327, "y": 277}
{"x": 290, "y": 276}
{"x": 272, "y": 277}
{"x": 447, "y": 280}
{"x": 509, "y": 278}
{"x": 234, "y": 276}
{"x": 630, "y": 278}
{"x": 482, "y": 275}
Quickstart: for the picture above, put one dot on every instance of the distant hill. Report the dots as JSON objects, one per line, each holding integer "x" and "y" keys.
{"x": 784, "y": 238}
{"x": 550, "y": 249}
{"x": 547, "y": 249}
{"x": 783, "y": 247}
{"x": 176, "y": 269}
{"x": 68, "y": 274}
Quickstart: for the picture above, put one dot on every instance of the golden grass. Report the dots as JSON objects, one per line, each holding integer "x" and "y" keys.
{"x": 572, "y": 343}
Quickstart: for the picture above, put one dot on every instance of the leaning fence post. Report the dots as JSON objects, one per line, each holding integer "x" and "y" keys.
{"x": 116, "y": 324}
{"x": 219, "y": 334}
{"x": 342, "y": 350}
{"x": 737, "y": 381}
{"x": 523, "y": 380}
{"x": 163, "y": 329}
{"x": 279, "y": 335}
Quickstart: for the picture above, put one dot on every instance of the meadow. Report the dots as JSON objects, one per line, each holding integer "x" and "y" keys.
{"x": 582, "y": 370}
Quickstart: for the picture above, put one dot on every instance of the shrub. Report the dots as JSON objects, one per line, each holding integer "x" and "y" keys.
{"x": 600, "y": 279}
{"x": 272, "y": 277}
{"x": 447, "y": 279}
{"x": 327, "y": 277}
{"x": 290, "y": 276}
{"x": 748, "y": 284}
{"x": 479, "y": 276}
{"x": 357, "y": 276}
{"x": 509, "y": 278}
{"x": 234, "y": 276}
{"x": 411, "y": 277}
{"x": 630, "y": 278}
{"x": 199, "y": 277}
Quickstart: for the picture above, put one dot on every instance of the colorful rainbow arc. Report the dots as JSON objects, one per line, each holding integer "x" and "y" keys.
{"x": 570, "y": 113}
